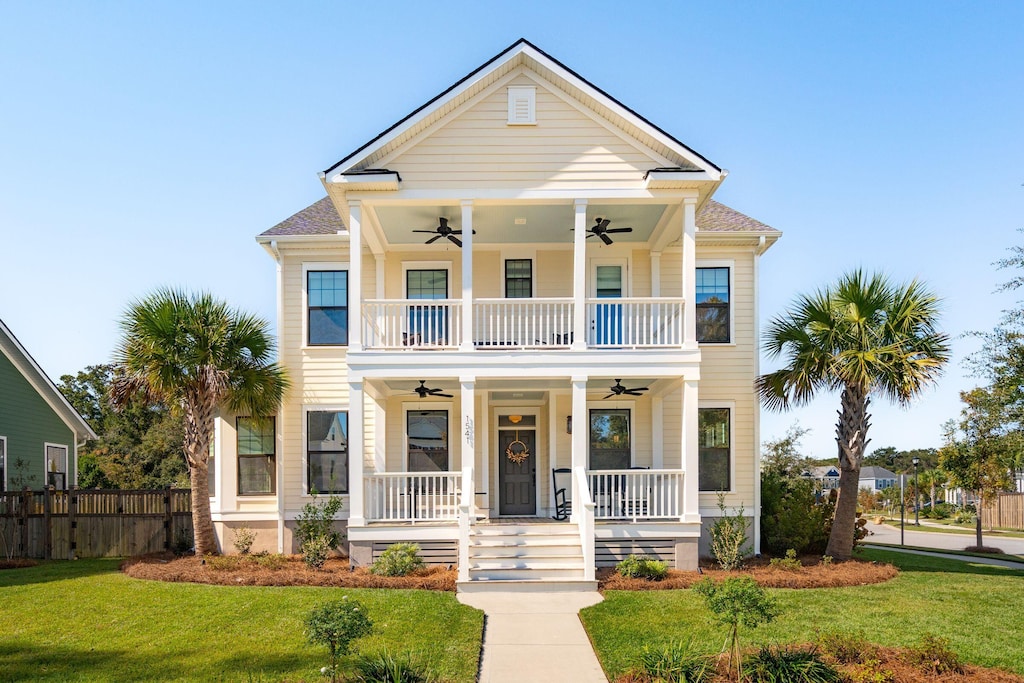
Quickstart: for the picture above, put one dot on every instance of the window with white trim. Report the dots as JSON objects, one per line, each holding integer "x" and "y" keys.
{"x": 714, "y": 449}
{"x": 610, "y": 447}
{"x": 327, "y": 307}
{"x": 57, "y": 466}
{"x": 518, "y": 278}
{"x": 256, "y": 456}
{"x": 327, "y": 451}
{"x": 427, "y": 436}
{"x": 712, "y": 305}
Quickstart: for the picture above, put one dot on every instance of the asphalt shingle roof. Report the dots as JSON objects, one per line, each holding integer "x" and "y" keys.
{"x": 320, "y": 218}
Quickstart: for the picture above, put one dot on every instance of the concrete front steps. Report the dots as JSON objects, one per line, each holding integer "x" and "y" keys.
{"x": 526, "y": 557}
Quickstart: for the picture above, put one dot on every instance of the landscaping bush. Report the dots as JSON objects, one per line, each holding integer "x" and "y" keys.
{"x": 965, "y": 517}
{"x": 244, "y": 538}
{"x": 399, "y": 559}
{"x": 383, "y": 667}
{"x": 846, "y": 647}
{"x": 223, "y": 563}
{"x": 782, "y": 665}
{"x": 642, "y": 567}
{"x": 269, "y": 561}
{"x": 678, "y": 662}
{"x": 791, "y": 516}
{"x": 939, "y": 511}
{"x": 335, "y": 625}
{"x": 790, "y": 561}
{"x": 735, "y": 601}
{"x": 315, "y": 552}
{"x": 729, "y": 537}
{"x": 933, "y": 656}
{"x": 314, "y": 529}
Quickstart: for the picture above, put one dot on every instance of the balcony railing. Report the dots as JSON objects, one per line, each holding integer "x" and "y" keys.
{"x": 522, "y": 323}
{"x": 500, "y": 324}
{"x": 412, "y": 496}
{"x": 634, "y": 322}
{"x": 636, "y": 494}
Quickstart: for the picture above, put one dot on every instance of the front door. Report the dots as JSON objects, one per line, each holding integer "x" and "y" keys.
{"x": 517, "y": 480}
{"x": 608, "y": 280}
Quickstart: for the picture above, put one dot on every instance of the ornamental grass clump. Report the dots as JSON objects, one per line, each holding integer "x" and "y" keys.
{"x": 384, "y": 667}
{"x": 737, "y": 600}
{"x": 335, "y": 625}
{"x": 784, "y": 665}
{"x": 642, "y": 567}
{"x": 400, "y": 559}
{"x": 678, "y": 662}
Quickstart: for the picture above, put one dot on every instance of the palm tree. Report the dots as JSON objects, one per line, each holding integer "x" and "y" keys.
{"x": 197, "y": 355}
{"x": 864, "y": 336}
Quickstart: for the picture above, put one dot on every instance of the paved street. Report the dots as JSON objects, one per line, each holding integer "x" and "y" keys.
{"x": 944, "y": 541}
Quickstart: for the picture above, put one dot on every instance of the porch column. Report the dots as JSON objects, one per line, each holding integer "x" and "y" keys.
{"x": 690, "y": 450}
{"x": 466, "y": 343}
{"x": 657, "y": 432}
{"x": 355, "y": 276}
{"x": 579, "y": 277}
{"x": 468, "y": 426}
{"x": 580, "y": 431}
{"x": 356, "y": 516}
{"x": 689, "y": 272}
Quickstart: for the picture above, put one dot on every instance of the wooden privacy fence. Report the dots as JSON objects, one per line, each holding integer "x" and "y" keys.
{"x": 63, "y": 525}
{"x": 1007, "y": 512}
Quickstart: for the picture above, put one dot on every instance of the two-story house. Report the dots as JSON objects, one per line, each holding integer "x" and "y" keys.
{"x": 521, "y": 334}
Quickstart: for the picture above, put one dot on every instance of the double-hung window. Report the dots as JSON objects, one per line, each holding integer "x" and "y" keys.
{"x": 518, "y": 278}
{"x": 713, "y": 452}
{"x": 610, "y": 447}
{"x": 57, "y": 466}
{"x": 713, "y": 314}
{"x": 427, "y": 434}
{"x": 327, "y": 303}
{"x": 256, "y": 456}
{"x": 327, "y": 451}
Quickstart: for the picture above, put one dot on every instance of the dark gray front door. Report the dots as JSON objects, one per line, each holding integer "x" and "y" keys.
{"x": 517, "y": 482}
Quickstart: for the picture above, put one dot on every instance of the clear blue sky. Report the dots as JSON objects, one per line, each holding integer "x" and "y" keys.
{"x": 145, "y": 144}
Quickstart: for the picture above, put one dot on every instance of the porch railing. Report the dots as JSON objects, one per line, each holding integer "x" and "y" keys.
{"x": 412, "y": 496}
{"x": 636, "y": 494}
{"x": 412, "y": 323}
{"x": 522, "y": 323}
{"x": 635, "y": 322}
{"x": 467, "y": 515}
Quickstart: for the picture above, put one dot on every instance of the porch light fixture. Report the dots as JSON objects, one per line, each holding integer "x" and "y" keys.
{"x": 568, "y": 424}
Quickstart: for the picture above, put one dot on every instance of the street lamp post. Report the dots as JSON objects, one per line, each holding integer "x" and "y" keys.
{"x": 917, "y": 493}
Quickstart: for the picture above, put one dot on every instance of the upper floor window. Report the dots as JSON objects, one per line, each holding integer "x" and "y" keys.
{"x": 256, "y": 455}
{"x": 518, "y": 278}
{"x": 610, "y": 447}
{"x": 713, "y": 454}
{"x": 327, "y": 292}
{"x": 57, "y": 466}
{"x": 713, "y": 305}
{"x": 327, "y": 451}
{"x": 427, "y": 434}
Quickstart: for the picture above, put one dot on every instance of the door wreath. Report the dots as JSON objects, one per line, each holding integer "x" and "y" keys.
{"x": 517, "y": 455}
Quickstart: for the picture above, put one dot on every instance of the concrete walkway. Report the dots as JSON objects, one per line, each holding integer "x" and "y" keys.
{"x": 994, "y": 560}
{"x": 535, "y": 637}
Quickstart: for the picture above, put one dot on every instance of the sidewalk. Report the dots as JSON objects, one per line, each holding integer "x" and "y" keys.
{"x": 535, "y": 637}
{"x": 994, "y": 560}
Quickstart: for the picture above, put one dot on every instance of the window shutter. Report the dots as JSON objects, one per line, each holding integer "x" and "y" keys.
{"x": 522, "y": 105}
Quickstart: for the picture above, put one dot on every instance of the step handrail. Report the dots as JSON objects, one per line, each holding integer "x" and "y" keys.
{"x": 466, "y": 517}
{"x": 584, "y": 514}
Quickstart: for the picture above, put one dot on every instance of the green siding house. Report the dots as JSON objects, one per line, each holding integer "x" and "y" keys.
{"x": 39, "y": 430}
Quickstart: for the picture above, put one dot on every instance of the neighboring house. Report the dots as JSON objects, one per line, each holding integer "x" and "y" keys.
{"x": 825, "y": 478}
{"x": 39, "y": 430}
{"x": 541, "y": 282}
{"x": 877, "y": 478}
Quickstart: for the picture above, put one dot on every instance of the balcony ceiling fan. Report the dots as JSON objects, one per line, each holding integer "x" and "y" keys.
{"x": 423, "y": 391}
{"x": 442, "y": 230}
{"x": 600, "y": 229}
{"x": 618, "y": 390}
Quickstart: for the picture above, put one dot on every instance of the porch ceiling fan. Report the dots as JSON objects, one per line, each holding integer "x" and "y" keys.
{"x": 601, "y": 230}
{"x": 423, "y": 391}
{"x": 442, "y": 230}
{"x": 618, "y": 390}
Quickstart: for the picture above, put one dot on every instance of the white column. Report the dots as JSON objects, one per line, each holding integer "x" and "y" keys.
{"x": 689, "y": 272}
{"x": 580, "y": 423}
{"x": 655, "y": 273}
{"x": 356, "y": 485}
{"x": 468, "y": 426}
{"x": 466, "y": 343}
{"x": 355, "y": 276}
{"x": 378, "y": 262}
{"x": 690, "y": 448}
{"x": 579, "y": 277}
{"x": 657, "y": 432}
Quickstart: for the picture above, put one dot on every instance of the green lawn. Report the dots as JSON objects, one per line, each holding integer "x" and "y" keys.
{"x": 948, "y": 526}
{"x": 978, "y": 607}
{"x": 84, "y": 621}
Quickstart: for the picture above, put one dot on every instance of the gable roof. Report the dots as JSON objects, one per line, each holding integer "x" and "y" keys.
{"x": 522, "y": 52}
{"x": 23, "y": 361}
{"x": 873, "y": 472}
{"x": 320, "y": 218}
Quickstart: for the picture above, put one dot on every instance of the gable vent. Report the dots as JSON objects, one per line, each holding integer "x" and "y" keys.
{"x": 522, "y": 105}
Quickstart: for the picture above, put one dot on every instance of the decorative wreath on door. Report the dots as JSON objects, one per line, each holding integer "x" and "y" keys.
{"x": 517, "y": 451}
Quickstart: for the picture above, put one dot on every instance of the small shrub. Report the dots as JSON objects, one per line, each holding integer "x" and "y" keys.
{"x": 223, "y": 563}
{"x": 268, "y": 561}
{"x": 399, "y": 559}
{"x": 642, "y": 567}
{"x": 244, "y": 538}
{"x": 781, "y": 665}
{"x": 729, "y": 537}
{"x": 183, "y": 543}
{"x": 826, "y": 560}
{"x": 383, "y": 667}
{"x": 871, "y": 671}
{"x": 735, "y": 601}
{"x": 932, "y": 655}
{"x": 314, "y": 528}
{"x": 675, "y": 663}
{"x": 315, "y": 552}
{"x": 790, "y": 562}
{"x": 846, "y": 647}
{"x": 335, "y": 625}
{"x": 965, "y": 517}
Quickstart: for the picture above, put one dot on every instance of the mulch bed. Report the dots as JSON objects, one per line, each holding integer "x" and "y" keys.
{"x": 292, "y": 572}
{"x": 812, "y": 574}
{"x": 17, "y": 563}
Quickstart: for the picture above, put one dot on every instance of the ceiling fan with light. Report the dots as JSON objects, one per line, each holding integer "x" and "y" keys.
{"x": 618, "y": 390}
{"x": 443, "y": 230}
{"x": 601, "y": 230}
{"x": 423, "y": 391}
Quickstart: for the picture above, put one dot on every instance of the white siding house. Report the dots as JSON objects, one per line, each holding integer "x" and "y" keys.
{"x": 520, "y": 294}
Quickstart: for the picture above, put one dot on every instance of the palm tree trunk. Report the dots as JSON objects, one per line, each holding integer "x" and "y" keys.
{"x": 851, "y": 437}
{"x": 202, "y": 522}
{"x": 199, "y": 413}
